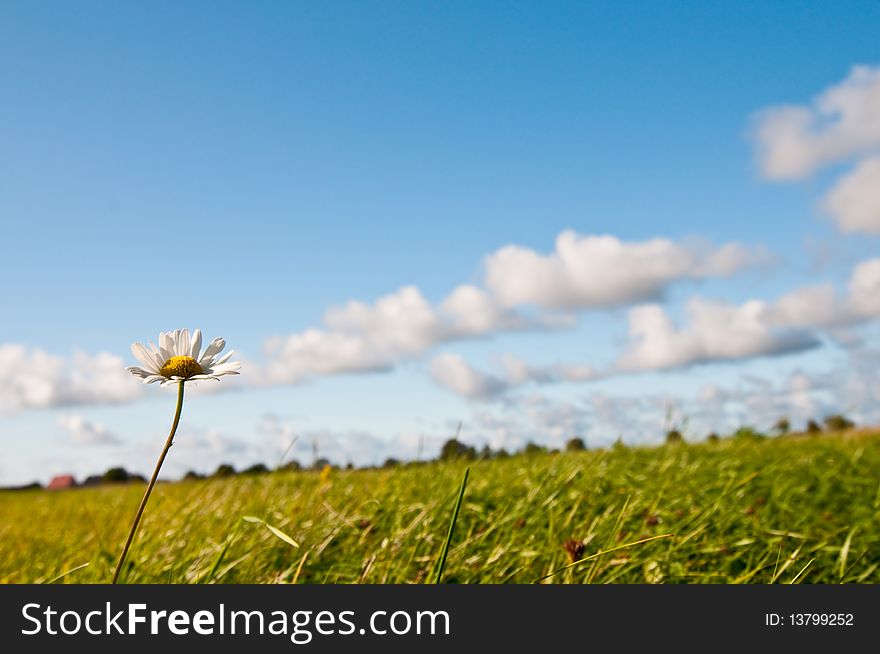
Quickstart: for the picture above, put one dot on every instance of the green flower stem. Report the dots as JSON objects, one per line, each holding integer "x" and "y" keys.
{"x": 140, "y": 511}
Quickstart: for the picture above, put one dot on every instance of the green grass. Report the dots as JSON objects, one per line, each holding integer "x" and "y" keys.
{"x": 801, "y": 510}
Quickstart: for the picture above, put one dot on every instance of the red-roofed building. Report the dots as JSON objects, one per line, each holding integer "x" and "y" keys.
{"x": 61, "y": 482}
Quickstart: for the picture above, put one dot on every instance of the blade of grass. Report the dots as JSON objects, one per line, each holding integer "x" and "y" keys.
{"x": 844, "y": 552}
{"x": 798, "y": 575}
{"x": 64, "y": 574}
{"x": 615, "y": 532}
{"x": 275, "y": 530}
{"x": 223, "y": 550}
{"x": 299, "y": 568}
{"x": 442, "y": 562}
{"x": 791, "y": 559}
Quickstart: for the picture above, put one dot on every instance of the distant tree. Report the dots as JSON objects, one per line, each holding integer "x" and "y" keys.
{"x": 782, "y": 426}
{"x": 224, "y": 470}
{"x": 455, "y": 449}
{"x": 256, "y": 469}
{"x": 813, "y": 427}
{"x": 575, "y": 444}
{"x": 291, "y": 466}
{"x": 391, "y": 462}
{"x": 501, "y": 454}
{"x": 321, "y": 463}
{"x": 34, "y": 485}
{"x": 115, "y": 475}
{"x": 192, "y": 474}
{"x": 534, "y": 448}
{"x": 619, "y": 444}
{"x": 713, "y": 438}
{"x": 748, "y": 433}
{"x": 486, "y": 452}
{"x": 349, "y": 466}
{"x": 838, "y": 422}
{"x": 673, "y": 436}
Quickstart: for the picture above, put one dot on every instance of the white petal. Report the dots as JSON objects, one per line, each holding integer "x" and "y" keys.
{"x": 172, "y": 342}
{"x": 224, "y": 358}
{"x": 157, "y": 356}
{"x": 183, "y": 344}
{"x": 166, "y": 345}
{"x": 138, "y": 372}
{"x": 225, "y": 369}
{"x": 214, "y": 347}
{"x": 196, "y": 344}
{"x": 142, "y": 354}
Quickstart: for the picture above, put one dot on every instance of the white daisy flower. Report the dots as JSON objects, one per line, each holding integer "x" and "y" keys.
{"x": 177, "y": 359}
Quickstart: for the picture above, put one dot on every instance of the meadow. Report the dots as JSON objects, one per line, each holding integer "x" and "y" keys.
{"x": 796, "y": 509}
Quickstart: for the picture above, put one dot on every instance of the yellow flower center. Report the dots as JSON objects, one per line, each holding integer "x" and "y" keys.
{"x": 184, "y": 367}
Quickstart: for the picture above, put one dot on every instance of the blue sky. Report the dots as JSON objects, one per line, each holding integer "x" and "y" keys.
{"x": 244, "y": 167}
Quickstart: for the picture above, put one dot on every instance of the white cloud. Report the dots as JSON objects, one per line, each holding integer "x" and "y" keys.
{"x": 584, "y": 272}
{"x": 854, "y": 201}
{"x": 716, "y": 331}
{"x": 84, "y": 432}
{"x": 451, "y": 371}
{"x": 713, "y": 331}
{"x": 811, "y": 306}
{"x": 594, "y": 272}
{"x": 841, "y": 124}
{"x": 823, "y": 307}
{"x": 864, "y": 289}
{"x": 31, "y": 378}
{"x": 793, "y": 141}
{"x": 361, "y": 337}
{"x": 518, "y": 371}
{"x": 719, "y": 331}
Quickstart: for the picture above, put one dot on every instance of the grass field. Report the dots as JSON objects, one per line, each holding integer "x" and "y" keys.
{"x": 785, "y": 510}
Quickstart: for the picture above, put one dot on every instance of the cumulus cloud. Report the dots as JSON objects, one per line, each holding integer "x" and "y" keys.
{"x": 824, "y": 307}
{"x": 712, "y": 331}
{"x": 716, "y": 331}
{"x": 518, "y": 371}
{"x": 864, "y": 289}
{"x": 793, "y": 141}
{"x": 31, "y": 378}
{"x": 84, "y": 432}
{"x": 361, "y": 337}
{"x": 841, "y": 124}
{"x": 594, "y": 272}
{"x": 451, "y": 371}
{"x": 522, "y": 290}
{"x": 854, "y": 201}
